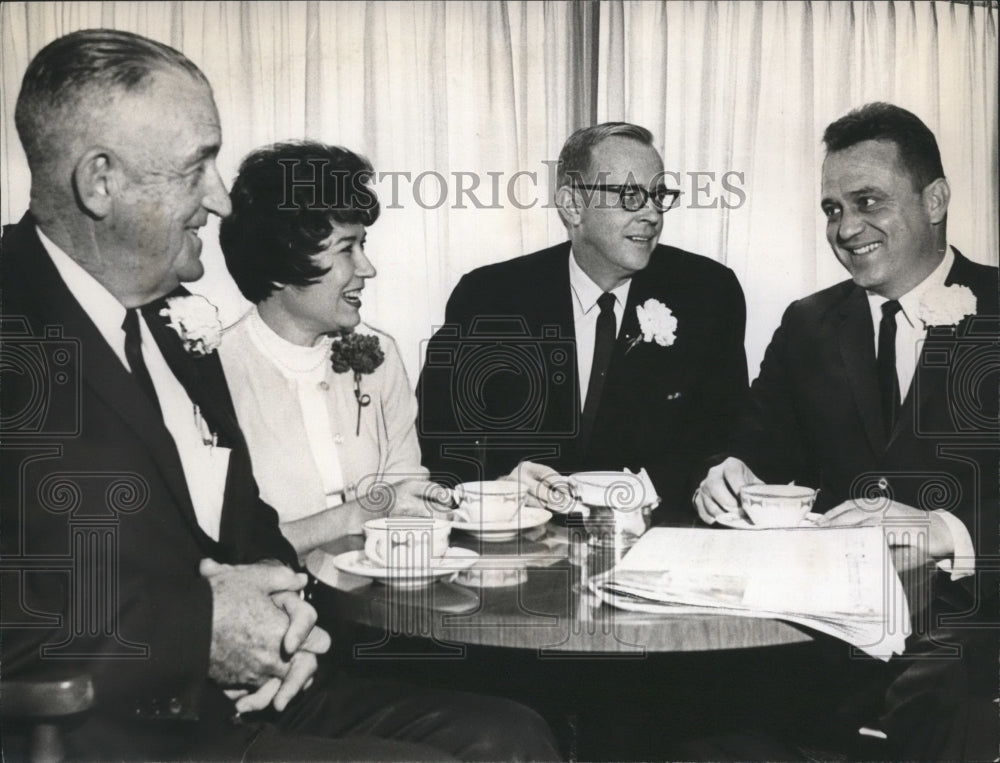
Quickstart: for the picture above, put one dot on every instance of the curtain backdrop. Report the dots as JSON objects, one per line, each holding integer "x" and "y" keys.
{"x": 441, "y": 96}
{"x": 451, "y": 100}
{"x": 748, "y": 87}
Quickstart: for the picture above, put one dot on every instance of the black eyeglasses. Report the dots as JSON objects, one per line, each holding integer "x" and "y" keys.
{"x": 632, "y": 198}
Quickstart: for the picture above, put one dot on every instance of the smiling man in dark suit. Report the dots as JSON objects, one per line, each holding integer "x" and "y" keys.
{"x": 882, "y": 391}
{"x": 135, "y": 546}
{"x": 605, "y": 352}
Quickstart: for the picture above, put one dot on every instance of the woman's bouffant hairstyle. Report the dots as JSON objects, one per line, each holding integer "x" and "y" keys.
{"x": 286, "y": 199}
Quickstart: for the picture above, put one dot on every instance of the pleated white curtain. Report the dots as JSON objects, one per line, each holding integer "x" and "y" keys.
{"x": 451, "y": 100}
{"x": 748, "y": 87}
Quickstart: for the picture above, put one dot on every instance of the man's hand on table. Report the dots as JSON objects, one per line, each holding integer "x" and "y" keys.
{"x": 546, "y": 488}
{"x": 916, "y": 539}
{"x": 263, "y": 633}
{"x": 719, "y": 492}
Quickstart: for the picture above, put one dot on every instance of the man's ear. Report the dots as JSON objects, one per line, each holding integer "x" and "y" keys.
{"x": 936, "y": 196}
{"x": 568, "y": 204}
{"x": 93, "y": 182}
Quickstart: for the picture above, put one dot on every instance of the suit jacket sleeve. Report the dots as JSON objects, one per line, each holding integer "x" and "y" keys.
{"x": 437, "y": 424}
{"x": 767, "y": 436}
{"x": 709, "y": 418}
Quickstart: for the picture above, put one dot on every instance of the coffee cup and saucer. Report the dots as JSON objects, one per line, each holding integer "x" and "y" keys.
{"x": 494, "y": 510}
{"x": 406, "y": 552}
{"x": 764, "y": 507}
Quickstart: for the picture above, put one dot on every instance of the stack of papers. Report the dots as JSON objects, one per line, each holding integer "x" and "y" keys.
{"x": 840, "y": 581}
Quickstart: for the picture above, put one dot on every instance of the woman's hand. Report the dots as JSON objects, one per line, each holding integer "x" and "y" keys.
{"x": 546, "y": 488}
{"x": 421, "y": 498}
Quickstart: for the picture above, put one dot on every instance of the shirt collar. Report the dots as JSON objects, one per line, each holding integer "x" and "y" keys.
{"x": 911, "y": 300}
{"x": 586, "y": 292}
{"x": 100, "y": 305}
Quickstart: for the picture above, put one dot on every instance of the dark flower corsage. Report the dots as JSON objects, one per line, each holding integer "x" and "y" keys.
{"x": 361, "y": 354}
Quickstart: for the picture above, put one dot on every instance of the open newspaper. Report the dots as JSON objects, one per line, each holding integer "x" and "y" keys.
{"x": 840, "y": 581}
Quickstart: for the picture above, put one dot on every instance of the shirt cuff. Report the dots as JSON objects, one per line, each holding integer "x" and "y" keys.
{"x": 962, "y": 563}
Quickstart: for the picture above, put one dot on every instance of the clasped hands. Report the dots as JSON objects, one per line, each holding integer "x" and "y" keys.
{"x": 719, "y": 494}
{"x": 264, "y": 635}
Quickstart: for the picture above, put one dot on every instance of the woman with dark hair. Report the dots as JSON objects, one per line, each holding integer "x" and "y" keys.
{"x": 323, "y": 399}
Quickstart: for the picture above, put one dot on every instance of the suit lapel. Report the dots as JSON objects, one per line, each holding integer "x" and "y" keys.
{"x": 640, "y": 290}
{"x": 552, "y": 304}
{"x": 201, "y": 377}
{"x": 643, "y": 287}
{"x": 205, "y": 384}
{"x": 923, "y": 387}
{"x": 940, "y": 341}
{"x": 555, "y": 307}
{"x": 101, "y": 369}
{"x": 856, "y": 339}
{"x": 608, "y": 408}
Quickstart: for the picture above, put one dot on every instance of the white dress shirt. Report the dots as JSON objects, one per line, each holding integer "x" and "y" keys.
{"x": 910, "y": 335}
{"x": 205, "y": 465}
{"x": 585, "y": 313}
{"x": 305, "y": 368}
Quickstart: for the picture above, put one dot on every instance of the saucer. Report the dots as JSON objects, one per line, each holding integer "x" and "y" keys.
{"x": 495, "y": 532}
{"x": 741, "y": 523}
{"x": 455, "y": 560}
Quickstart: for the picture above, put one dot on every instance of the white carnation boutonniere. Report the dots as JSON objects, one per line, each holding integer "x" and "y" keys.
{"x": 946, "y": 305}
{"x": 196, "y": 321}
{"x": 656, "y": 324}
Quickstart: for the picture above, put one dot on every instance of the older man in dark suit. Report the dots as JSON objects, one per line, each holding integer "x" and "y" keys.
{"x": 882, "y": 392}
{"x": 135, "y": 546}
{"x": 606, "y": 352}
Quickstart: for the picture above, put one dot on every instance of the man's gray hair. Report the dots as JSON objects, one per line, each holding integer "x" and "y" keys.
{"x": 84, "y": 68}
{"x": 574, "y": 159}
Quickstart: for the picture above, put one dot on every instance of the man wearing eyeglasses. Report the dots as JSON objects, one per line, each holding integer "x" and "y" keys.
{"x": 605, "y": 352}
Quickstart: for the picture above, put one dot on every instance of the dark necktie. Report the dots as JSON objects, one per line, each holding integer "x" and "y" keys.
{"x": 604, "y": 344}
{"x": 133, "y": 354}
{"x": 888, "y": 382}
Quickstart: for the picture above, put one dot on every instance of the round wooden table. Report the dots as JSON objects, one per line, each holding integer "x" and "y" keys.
{"x": 613, "y": 684}
{"x": 545, "y": 604}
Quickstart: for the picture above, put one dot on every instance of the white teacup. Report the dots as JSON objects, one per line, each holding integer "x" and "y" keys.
{"x": 489, "y": 501}
{"x": 777, "y": 505}
{"x": 406, "y": 542}
{"x": 620, "y": 491}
